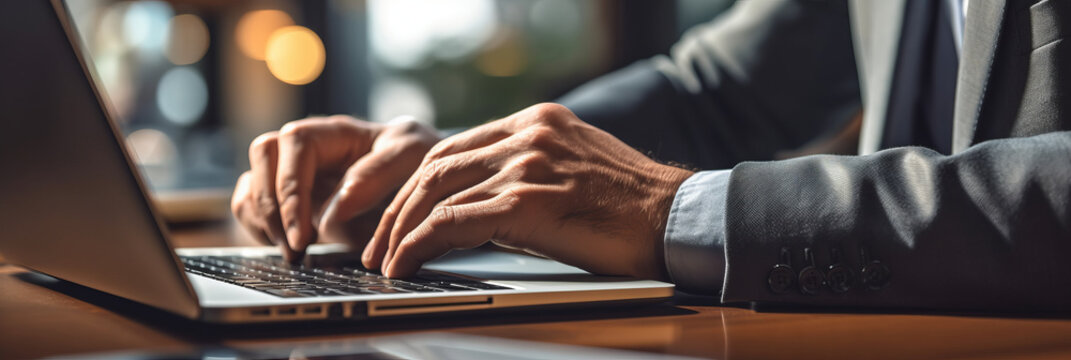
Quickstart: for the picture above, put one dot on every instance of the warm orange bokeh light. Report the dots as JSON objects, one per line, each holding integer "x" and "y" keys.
{"x": 254, "y": 29}
{"x": 295, "y": 55}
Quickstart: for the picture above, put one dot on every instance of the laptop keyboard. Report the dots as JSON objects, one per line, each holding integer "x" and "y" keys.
{"x": 277, "y": 277}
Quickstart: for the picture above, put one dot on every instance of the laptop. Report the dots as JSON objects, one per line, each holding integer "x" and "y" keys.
{"x": 73, "y": 206}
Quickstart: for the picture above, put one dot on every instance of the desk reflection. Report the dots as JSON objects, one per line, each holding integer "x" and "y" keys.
{"x": 430, "y": 346}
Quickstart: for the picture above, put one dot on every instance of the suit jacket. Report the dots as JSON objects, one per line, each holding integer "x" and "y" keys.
{"x": 987, "y": 227}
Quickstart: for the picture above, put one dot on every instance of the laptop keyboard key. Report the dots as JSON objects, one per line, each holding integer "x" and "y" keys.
{"x": 274, "y": 276}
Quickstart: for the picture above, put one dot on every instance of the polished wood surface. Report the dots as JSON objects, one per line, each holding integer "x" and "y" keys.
{"x": 40, "y": 317}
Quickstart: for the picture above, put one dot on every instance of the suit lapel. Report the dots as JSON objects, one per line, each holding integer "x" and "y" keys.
{"x": 982, "y": 29}
{"x": 876, "y": 31}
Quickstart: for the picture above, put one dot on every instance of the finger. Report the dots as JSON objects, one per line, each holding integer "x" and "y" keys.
{"x": 451, "y": 227}
{"x": 429, "y": 184}
{"x": 442, "y": 178}
{"x": 475, "y": 138}
{"x": 366, "y": 184}
{"x": 263, "y": 159}
{"x": 306, "y": 146}
{"x": 372, "y": 257}
{"x": 241, "y": 207}
{"x": 294, "y": 179}
{"x": 465, "y": 177}
{"x": 484, "y": 190}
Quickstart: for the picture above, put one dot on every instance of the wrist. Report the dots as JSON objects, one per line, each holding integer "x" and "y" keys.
{"x": 669, "y": 179}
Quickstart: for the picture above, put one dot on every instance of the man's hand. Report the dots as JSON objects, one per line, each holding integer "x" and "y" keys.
{"x": 540, "y": 180}
{"x": 312, "y": 177}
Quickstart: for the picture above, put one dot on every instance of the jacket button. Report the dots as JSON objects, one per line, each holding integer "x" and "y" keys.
{"x": 875, "y": 275}
{"x": 839, "y": 278}
{"x": 780, "y": 278}
{"x": 811, "y": 280}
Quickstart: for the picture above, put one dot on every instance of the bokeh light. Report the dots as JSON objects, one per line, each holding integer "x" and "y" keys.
{"x": 182, "y": 95}
{"x": 189, "y": 39}
{"x": 254, "y": 29}
{"x": 504, "y": 57}
{"x": 295, "y": 55}
{"x": 405, "y": 33}
{"x": 145, "y": 26}
{"x": 394, "y": 97}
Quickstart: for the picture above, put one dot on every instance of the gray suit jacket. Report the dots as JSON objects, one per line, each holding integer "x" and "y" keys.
{"x": 988, "y": 227}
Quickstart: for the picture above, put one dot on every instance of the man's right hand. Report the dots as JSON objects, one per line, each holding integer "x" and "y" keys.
{"x": 311, "y": 178}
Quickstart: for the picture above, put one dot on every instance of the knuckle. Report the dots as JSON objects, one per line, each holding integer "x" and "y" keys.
{"x": 443, "y": 216}
{"x": 265, "y": 204}
{"x": 541, "y": 137}
{"x": 433, "y": 174}
{"x": 237, "y": 203}
{"x": 241, "y": 186}
{"x": 512, "y": 199}
{"x": 531, "y": 160}
{"x": 241, "y": 194}
{"x": 287, "y": 209}
{"x": 296, "y": 130}
{"x": 287, "y": 189}
{"x": 550, "y": 112}
{"x": 339, "y": 120}
{"x": 264, "y": 145}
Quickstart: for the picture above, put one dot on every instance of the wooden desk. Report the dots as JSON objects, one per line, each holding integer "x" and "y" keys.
{"x": 41, "y": 319}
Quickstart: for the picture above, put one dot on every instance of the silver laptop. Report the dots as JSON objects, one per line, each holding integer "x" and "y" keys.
{"x": 73, "y": 206}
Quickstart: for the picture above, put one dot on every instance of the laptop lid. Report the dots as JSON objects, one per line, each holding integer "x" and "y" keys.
{"x": 73, "y": 205}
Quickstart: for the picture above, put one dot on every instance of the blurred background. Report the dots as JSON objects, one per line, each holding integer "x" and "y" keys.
{"x": 192, "y": 82}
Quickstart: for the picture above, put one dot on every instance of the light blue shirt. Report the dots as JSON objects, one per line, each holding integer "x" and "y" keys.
{"x": 695, "y": 233}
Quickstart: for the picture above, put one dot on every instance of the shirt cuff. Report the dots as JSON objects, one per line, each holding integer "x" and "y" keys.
{"x": 695, "y": 233}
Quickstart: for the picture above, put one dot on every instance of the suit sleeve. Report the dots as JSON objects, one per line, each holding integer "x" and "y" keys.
{"x": 987, "y": 228}
{"x": 741, "y": 87}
